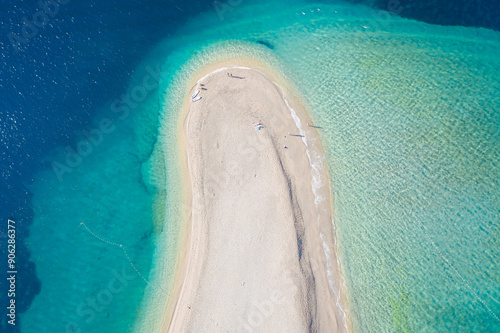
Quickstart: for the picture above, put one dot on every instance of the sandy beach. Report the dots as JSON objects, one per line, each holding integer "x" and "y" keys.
{"x": 255, "y": 254}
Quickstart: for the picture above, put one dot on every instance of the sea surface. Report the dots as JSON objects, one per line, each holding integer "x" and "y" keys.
{"x": 410, "y": 120}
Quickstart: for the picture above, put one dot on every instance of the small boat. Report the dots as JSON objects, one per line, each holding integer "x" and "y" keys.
{"x": 196, "y": 99}
{"x": 195, "y": 94}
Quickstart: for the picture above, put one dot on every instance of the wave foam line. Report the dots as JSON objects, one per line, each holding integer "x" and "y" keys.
{"x": 316, "y": 183}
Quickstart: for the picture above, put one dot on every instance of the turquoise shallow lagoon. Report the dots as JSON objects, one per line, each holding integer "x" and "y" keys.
{"x": 409, "y": 115}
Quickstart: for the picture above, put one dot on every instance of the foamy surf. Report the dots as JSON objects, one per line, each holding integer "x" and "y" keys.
{"x": 316, "y": 164}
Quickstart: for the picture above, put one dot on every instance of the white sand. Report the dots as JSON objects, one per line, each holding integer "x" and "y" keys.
{"x": 255, "y": 261}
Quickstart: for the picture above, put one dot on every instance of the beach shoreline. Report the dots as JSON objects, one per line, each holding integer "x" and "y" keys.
{"x": 313, "y": 207}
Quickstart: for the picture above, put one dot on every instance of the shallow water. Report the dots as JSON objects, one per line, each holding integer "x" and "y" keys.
{"x": 409, "y": 116}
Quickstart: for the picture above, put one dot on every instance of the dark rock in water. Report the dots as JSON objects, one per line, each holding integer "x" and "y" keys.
{"x": 266, "y": 44}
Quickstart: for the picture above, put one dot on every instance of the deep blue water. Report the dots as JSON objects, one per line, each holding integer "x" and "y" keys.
{"x": 470, "y": 13}
{"x": 53, "y": 82}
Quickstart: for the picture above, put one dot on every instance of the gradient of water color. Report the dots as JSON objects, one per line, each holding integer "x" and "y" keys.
{"x": 409, "y": 115}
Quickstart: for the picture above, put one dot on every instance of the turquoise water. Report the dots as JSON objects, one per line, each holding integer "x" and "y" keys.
{"x": 84, "y": 274}
{"x": 410, "y": 123}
